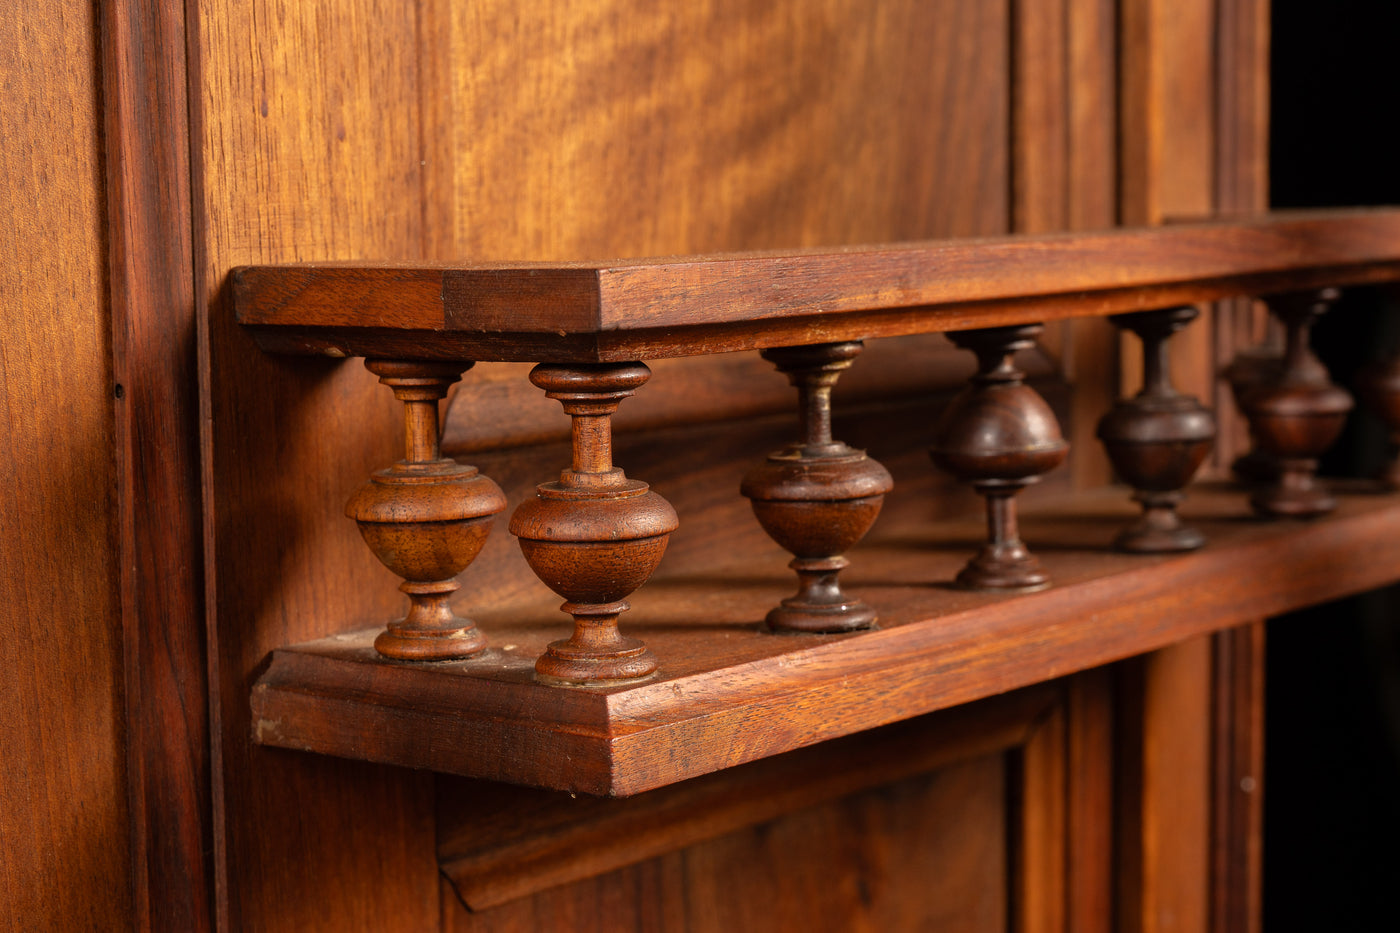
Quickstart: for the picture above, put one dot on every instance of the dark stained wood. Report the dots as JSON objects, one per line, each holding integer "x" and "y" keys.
{"x": 640, "y": 309}
{"x": 817, "y": 497}
{"x": 925, "y": 853}
{"x": 1000, "y": 436}
{"x": 152, "y": 294}
{"x": 66, "y": 795}
{"x": 1297, "y": 413}
{"x": 1237, "y": 809}
{"x": 594, "y": 536}
{"x": 426, "y": 518}
{"x": 1157, "y": 439}
{"x": 720, "y": 676}
{"x": 498, "y": 842}
{"x": 1379, "y": 386}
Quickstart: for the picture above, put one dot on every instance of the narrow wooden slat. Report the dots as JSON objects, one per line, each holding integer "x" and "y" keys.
{"x": 688, "y": 305}
{"x": 720, "y": 676}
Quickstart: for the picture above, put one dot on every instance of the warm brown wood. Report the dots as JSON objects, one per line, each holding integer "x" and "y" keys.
{"x": 925, "y": 853}
{"x": 307, "y": 142}
{"x": 594, "y": 536}
{"x": 498, "y": 842}
{"x": 1237, "y": 813}
{"x": 149, "y": 245}
{"x": 1158, "y": 439}
{"x": 1000, "y": 436}
{"x": 641, "y": 309}
{"x": 936, "y": 647}
{"x": 1089, "y": 712}
{"x": 1040, "y": 876}
{"x": 426, "y": 518}
{"x": 1164, "y": 831}
{"x": 66, "y": 816}
{"x": 1297, "y": 414}
{"x": 817, "y": 497}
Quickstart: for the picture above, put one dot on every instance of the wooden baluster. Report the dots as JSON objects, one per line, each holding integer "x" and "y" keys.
{"x": 426, "y": 518}
{"x": 1158, "y": 439}
{"x": 594, "y": 536}
{"x": 1250, "y": 368}
{"x": 817, "y": 497}
{"x": 1298, "y": 414}
{"x": 1000, "y": 436}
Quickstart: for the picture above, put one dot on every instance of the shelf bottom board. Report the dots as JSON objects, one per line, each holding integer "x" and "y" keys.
{"x": 727, "y": 693}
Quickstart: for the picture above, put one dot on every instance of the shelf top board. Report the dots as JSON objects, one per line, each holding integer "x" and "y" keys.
{"x": 689, "y": 305}
{"x": 727, "y": 693}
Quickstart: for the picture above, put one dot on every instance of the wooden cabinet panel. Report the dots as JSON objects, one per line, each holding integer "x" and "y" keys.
{"x": 63, "y": 782}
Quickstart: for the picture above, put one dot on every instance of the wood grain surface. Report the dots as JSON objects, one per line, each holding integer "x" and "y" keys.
{"x": 719, "y": 675}
{"x": 64, "y": 816}
{"x": 150, "y": 243}
{"x": 307, "y": 143}
{"x": 704, "y": 304}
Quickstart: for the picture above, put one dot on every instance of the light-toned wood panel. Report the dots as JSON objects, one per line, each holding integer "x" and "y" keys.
{"x": 309, "y": 144}
{"x": 926, "y": 853}
{"x": 63, "y": 786}
{"x": 599, "y": 128}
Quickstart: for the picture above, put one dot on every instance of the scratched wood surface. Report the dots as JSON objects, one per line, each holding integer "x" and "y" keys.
{"x": 64, "y": 817}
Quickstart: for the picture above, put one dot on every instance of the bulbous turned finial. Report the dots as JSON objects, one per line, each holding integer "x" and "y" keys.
{"x": 1157, "y": 439}
{"x": 426, "y": 519}
{"x": 999, "y": 435}
{"x": 594, "y": 536}
{"x": 817, "y": 497}
{"x": 1298, "y": 414}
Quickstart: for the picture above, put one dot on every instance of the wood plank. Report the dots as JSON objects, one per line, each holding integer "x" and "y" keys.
{"x": 498, "y": 842}
{"x": 308, "y": 142}
{"x": 65, "y": 822}
{"x": 706, "y": 304}
{"x": 151, "y": 276}
{"x": 937, "y": 647}
{"x": 925, "y": 853}
{"x": 1237, "y": 815}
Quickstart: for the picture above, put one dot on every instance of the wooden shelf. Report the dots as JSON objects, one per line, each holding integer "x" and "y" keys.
{"x": 636, "y": 309}
{"x": 728, "y": 694}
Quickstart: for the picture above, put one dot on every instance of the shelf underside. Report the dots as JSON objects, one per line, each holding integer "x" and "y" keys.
{"x": 727, "y": 693}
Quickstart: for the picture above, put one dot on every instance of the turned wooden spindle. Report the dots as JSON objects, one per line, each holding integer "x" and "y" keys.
{"x": 999, "y": 435}
{"x": 594, "y": 536}
{"x": 817, "y": 497}
{"x": 1297, "y": 414}
{"x": 1157, "y": 439}
{"x": 426, "y": 518}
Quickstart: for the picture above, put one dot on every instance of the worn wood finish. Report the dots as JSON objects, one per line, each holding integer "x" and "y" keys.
{"x": 594, "y": 536}
{"x": 1296, "y": 413}
{"x": 66, "y": 822}
{"x": 307, "y": 143}
{"x": 817, "y": 497}
{"x": 640, "y": 309}
{"x": 1158, "y": 439}
{"x": 999, "y": 436}
{"x": 498, "y": 842}
{"x": 937, "y": 647}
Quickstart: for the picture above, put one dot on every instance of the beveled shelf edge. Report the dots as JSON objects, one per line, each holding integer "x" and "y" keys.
{"x": 499, "y": 725}
{"x": 687, "y": 305}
